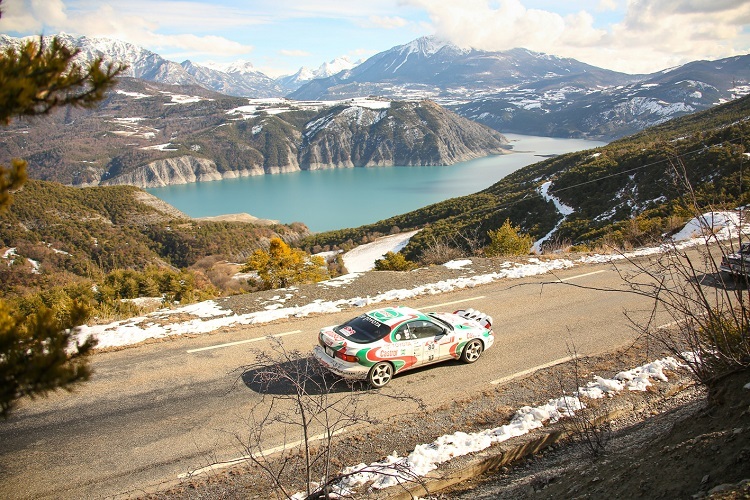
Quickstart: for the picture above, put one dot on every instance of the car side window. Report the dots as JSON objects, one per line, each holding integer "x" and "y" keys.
{"x": 424, "y": 329}
{"x": 405, "y": 332}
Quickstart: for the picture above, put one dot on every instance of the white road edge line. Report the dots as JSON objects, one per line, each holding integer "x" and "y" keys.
{"x": 454, "y": 302}
{"x": 582, "y": 275}
{"x": 230, "y": 344}
{"x": 531, "y": 370}
{"x": 259, "y": 454}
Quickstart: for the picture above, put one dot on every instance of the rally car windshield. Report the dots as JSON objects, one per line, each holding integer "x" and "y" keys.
{"x": 363, "y": 330}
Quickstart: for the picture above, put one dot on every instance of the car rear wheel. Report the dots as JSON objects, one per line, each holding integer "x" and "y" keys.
{"x": 380, "y": 374}
{"x": 472, "y": 351}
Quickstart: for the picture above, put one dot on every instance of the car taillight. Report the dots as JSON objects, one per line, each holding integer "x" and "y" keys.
{"x": 346, "y": 357}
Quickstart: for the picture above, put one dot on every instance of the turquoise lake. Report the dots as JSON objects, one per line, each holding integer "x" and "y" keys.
{"x": 351, "y": 197}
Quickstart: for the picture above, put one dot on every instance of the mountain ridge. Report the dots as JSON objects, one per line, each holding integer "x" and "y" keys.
{"x": 151, "y": 135}
{"x": 516, "y": 90}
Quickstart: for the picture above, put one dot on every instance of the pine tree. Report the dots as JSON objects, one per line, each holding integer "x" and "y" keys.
{"x": 282, "y": 266}
{"x": 394, "y": 262}
{"x": 507, "y": 240}
{"x": 36, "y": 351}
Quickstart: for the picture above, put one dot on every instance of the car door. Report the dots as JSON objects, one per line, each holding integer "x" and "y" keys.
{"x": 407, "y": 343}
{"x": 430, "y": 337}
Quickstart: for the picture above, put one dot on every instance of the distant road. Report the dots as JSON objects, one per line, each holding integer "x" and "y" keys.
{"x": 160, "y": 410}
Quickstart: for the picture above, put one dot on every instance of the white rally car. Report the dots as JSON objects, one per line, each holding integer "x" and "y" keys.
{"x": 379, "y": 344}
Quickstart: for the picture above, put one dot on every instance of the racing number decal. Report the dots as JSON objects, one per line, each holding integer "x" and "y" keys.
{"x": 430, "y": 351}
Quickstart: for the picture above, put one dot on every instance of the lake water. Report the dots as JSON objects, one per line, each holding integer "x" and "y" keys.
{"x": 351, "y": 197}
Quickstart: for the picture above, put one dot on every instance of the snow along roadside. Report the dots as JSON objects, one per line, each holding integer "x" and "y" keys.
{"x": 395, "y": 470}
{"x": 208, "y": 316}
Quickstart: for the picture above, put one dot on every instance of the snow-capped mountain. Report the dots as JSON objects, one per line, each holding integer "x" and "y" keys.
{"x": 238, "y": 79}
{"x": 517, "y": 90}
{"x": 142, "y": 63}
{"x": 291, "y": 83}
{"x": 235, "y": 79}
{"x": 429, "y": 67}
{"x": 612, "y": 111}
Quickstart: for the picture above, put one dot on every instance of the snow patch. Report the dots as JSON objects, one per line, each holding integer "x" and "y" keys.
{"x": 395, "y": 470}
{"x": 363, "y": 257}
{"x": 708, "y": 224}
{"x": 564, "y": 209}
{"x": 457, "y": 264}
{"x": 135, "y": 95}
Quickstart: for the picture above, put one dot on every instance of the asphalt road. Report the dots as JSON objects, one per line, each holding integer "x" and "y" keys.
{"x": 153, "y": 412}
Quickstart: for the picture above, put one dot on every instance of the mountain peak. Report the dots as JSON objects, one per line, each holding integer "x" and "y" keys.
{"x": 429, "y": 46}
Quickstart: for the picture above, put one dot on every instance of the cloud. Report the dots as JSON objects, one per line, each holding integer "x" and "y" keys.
{"x": 605, "y": 5}
{"x": 650, "y": 36}
{"x": 294, "y": 53}
{"x": 384, "y": 22}
{"x": 136, "y": 22}
{"x": 31, "y": 15}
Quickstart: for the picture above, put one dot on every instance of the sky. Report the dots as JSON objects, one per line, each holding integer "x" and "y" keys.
{"x": 280, "y": 36}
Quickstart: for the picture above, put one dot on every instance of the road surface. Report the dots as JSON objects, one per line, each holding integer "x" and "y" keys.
{"x": 154, "y": 412}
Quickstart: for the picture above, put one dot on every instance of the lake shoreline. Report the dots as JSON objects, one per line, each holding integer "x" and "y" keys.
{"x": 331, "y": 199}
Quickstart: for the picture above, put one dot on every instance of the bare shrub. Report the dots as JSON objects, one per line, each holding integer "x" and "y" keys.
{"x": 307, "y": 408}
{"x": 557, "y": 245}
{"x": 709, "y": 310}
{"x": 465, "y": 243}
{"x": 222, "y": 274}
{"x": 587, "y": 424}
{"x": 439, "y": 252}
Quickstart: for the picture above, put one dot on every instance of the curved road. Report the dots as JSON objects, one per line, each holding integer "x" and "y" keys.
{"x": 156, "y": 411}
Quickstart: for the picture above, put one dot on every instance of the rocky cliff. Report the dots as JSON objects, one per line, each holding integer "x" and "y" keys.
{"x": 399, "y": 133}
{"x": 178, "y": 170}
{"x": 152, "y": 135}
{"x": 354, "y": 134}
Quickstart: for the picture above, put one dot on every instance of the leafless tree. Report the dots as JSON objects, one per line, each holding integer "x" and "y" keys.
{"x": 309, "y": 408}
{"x": 586, "y": 424}
{"x": 708, "y": 310}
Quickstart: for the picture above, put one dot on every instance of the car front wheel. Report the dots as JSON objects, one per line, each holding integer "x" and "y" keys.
{"x": 380, "y": 375}
{"x": 472, "y": 351}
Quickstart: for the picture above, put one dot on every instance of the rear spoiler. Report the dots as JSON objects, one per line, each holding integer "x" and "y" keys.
{"x": 483, "y": 319}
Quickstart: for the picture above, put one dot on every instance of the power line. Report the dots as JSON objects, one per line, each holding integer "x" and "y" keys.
{"x": 590, "y": 181}
{"x": 689, "y": 153}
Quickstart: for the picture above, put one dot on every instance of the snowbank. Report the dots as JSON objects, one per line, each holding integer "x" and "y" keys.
{"x": 209, "y": 316}
{"x": 394, "y": 470}
{"x": 363, "y": 257}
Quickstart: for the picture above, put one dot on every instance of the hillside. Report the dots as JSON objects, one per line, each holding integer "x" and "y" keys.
{"x": 626, "y": 193}
{"x": 55, "y": 236}
{"x": 151, "y": 135}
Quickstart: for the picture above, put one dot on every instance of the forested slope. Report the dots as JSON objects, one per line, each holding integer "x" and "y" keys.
{"x": 631, "y": 191}
{"x": 64, "y": 235}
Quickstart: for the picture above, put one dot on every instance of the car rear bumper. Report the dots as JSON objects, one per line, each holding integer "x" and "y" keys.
{"x": 344, "y": 369}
